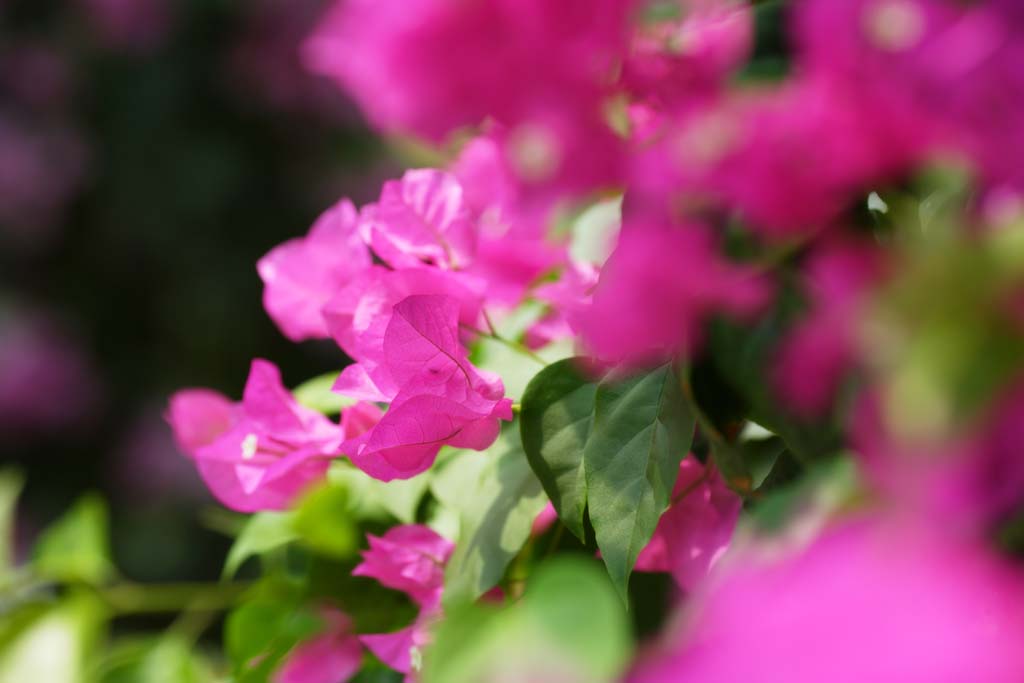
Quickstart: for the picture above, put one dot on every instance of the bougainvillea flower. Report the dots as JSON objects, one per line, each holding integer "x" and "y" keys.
{"x": 411, "y": 559}
{"x": 396, "y": 58}
{"x": 440, "y": 398}
{"x": 301, "y": 275}
{"x": 672, "y": 60}
{"x": 697, "y": 527}
{"x": 930, "y": 67}
{"x": 334, "y": 655}
{"x": 421, "y": 218}
{"x": 359, "y": 315}
{"x": 658, "y": 287}
{"x": 868, "y": 601}
{"x": 822, "y": 347}
{"x": 568, "y": 298}
{"x": 270, "y": 449}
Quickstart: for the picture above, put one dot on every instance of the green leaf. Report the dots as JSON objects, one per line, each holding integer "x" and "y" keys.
{"x": 643, "y": 428}
{"x": 515, "y": 368}
{"x": 372, "y": 499}
{"x": 263, "y": 532}
{"x": 324, "y": 521}
{"x": 56, "y": 646}
{"x": 258, "y": 635}
{"x": 569, "y": 627}
{"x": 555, "y": 422}
{"x": 77, "y": 546}
{"x": 11, "y": 482}
{"x": 316, "y": 394}
{"x": 165, "y": 660}
{"x": 495, "y": 521}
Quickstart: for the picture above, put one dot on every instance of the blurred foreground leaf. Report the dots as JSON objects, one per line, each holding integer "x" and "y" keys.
{"x": 77, "y": 546}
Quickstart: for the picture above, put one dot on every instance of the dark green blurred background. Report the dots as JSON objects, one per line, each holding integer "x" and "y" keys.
{"x": 150, "y": 152}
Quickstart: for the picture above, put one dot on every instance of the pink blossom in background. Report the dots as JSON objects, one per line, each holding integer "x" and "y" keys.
{"x": 136, "y": 25}
{"x": 334, "y": 655}
{"x": 259, "y": 454}
{"x": 265, "y": 60}
{"x": 410, "y": 559}
{"x": 36, "y": 75}
{"x": 822, "y": 347}
{"x": 438, "y": 396}
{"x": 48, "y": 382}
{"x": 696, "y": 529}
{"x": 657, "y": 289}
{"x": 301, "y": 275}
{"x": 670, "y": 60}
{"x": 952, "y": 71}
{"x": 41, "y": 170}
{"x": 964, "y": 480}
{"x": 869, "y": 600}
{"x": 568, "y": 299}
{"x": 398, "y": 58}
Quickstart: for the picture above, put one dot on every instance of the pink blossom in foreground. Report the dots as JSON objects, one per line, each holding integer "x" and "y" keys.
{"x": 432, "y": 66}
{"x": 261, "y": 453}
{"x": 301, "y": 275}
{"x": 411, "y": 559}
{"x": 359, "y": 315}
{"x": 421, "y": 218}
{"x": 868, "y": 601}
{"x": 439, "y": 397}
{"x": 657, "y": 289}
{"x": 334, "y": 655}
{"x": 822, "y": 347}
{"x": 696, "y": 529}
{"x": 963, "y": 480}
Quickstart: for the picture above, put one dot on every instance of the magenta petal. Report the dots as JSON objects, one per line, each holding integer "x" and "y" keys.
{"x": 409, "y": 558}
{"x": 394, "y": 649}
{"x": 334, "y": 656}
{"x": 421, "y": 218}
{"x": 409, "y": 436}
{"x": 198, "y": 417}
{"x": 301, "y": 275}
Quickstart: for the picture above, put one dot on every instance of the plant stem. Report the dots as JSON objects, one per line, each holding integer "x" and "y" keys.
{"x": 515, "y": 346}
{"x": 133, "y": 598}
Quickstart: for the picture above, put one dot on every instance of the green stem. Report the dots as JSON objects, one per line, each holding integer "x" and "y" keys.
{"x": 515, "y": 346}
{"x": 133, "y": 598}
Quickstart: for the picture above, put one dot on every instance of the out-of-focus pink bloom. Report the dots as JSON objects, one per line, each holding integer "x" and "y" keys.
{"x": 657, "y": 289}
{"x": 301, "y": 275}
{"x": 265, "y": 61}
{"x": 333, "y": 656}
{"x": 790, "y": 159}
{"x": 419, "y": 219}
{"x": 822, "y": 347}
{"x": 36, "y": 75}
{"x": 696, "y": 529}
{"x": 671, "y": 60}
{"x": 963, "y": 480}
{"x": 439, "y": 397}
{"x": 568, "y": 298}
{"x": 946, "y": 69}
{"x": 411, "y": 559}
{"x": 41, "y": 169}
{"x": 544, "y": 519}
{"x": 261, "y": 453}
{"x": 47, "y": 382}
{"x": 396, "y": 58}
{"x": 867, "y": 601}
{"x": 140, "y": 25}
